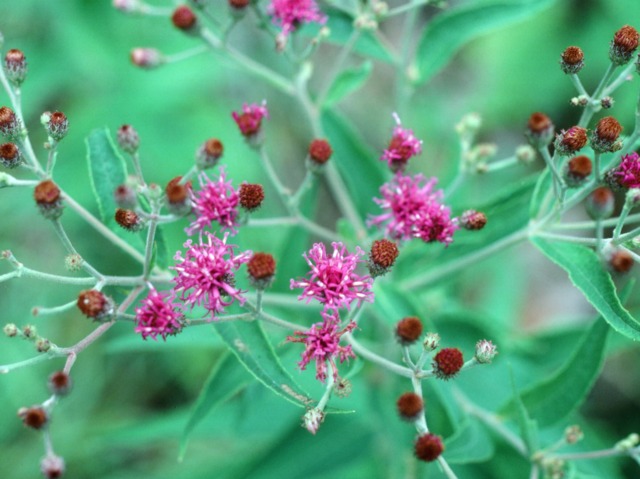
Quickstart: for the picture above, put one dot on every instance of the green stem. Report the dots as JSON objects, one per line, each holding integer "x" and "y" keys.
{"x": 578, "y": 84}
{"x": 64, "y": 239}
{"x": 337, "y": 66}
{"x": 599, "y": 235}
{"x": 626, "y": 236}
{"x": 273, "y": 176}
{"x": 406, "y": 7}
{"x": 576, "y": 456}
{"x": 568, "y": 239}
{"x": 622, "y": 77}
{"x": 585, "y": 225}
{"x": 590, "y": 109}
{"x": 306, "y": 184}
{"x": 379, "y": 360}
{"x": 502, "y": 164}
{"x": 151, "y": 234}
{"x": 621, "y": 219}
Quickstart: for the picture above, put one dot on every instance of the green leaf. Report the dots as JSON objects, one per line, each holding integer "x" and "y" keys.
{"x": 367, "y": 44}
{"x": 528, "y": 427}
{"x": 107, "y": 170}
{"x": 451, "y": 30}
{"x": 587, "y": 274}
{"x": 249, "y": 343}
{"x": 160, "y": 250}
{"x": 469, "y": 444}
{"x": 543, "y": 186}
{"x": 347, "y": 82}
{"x": 226, "y": 379}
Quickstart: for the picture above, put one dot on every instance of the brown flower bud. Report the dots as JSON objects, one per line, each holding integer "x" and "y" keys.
{"x": 35, "y": 417}
{"x": 473, "y": 220}
{"x": 428, "y": 447}
{"x": 209, "y": 153}
{"x": 320, "y": 151}
{"x": 600, "y": 203}
{"x": 10, "y": 155}
{"x": 261, "y": 268}
{"x": 59, "y": 383}
{"x": 571, "y": 60}
{"x": 382, "y": 257}
{"x": 125, "y": 197}
{"x": 409, "y": 406}
{"x": 57, "y": 126}
{"x": 183, "y": 18}
{"x": 624, "y": 43}
{"x": 238, "y": 4}
{"x": 570, "y": 141}
{"x": 95, "y": 305}
{"x": 251, "y": 196}
{"x": 605, "y": 136}
{"x": 52, "y": 467}
{"x": 447, "y": 363}
{"x": 178, "y": 196}
{"x": 539, "y": 130}
{"x": 129, "y": 220}
{"x": 128, "y": 139}
{"x": 621, "y": 261}
{"x": 409, "y": 330}
{"x": 9, "y": 123}
{"x": 15, "y": 66}
{"x": 47, "y": 196}
{"x": 577, "y": 171}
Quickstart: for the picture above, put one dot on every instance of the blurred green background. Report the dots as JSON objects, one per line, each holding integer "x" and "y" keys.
{"x": 132, "y": 398}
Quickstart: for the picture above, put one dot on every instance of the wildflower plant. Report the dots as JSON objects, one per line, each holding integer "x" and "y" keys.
{"x": 322, "y": 256}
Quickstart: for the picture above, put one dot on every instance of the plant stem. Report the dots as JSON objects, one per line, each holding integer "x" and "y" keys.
{"x": 590, "y": 109}
{"x": 379, "y": 360}
{"x": 337, "y": 65}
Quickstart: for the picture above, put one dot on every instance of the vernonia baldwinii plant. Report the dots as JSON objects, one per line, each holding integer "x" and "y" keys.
{"x": 300, "y": 250}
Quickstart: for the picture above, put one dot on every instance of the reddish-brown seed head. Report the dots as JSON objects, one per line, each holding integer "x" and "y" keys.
{"x": 320, "y": 151}
{"x": 183, "y": 18}
{"x": 448, "y": 362}
{"x": 59, "y": 383}
{"x": 428, "y": 447}
{"x": 7, "y": 119}
{"x": 409, "y": 330}
{"x": 626, "y": 39}
{"x": 176, "y": 192}
{"x": 409, "y": 406}
{"x": 251, "y": 196}
{"x": 539, "y": 123}
{"x": 46, "y": 193}
{"x": 384, "y": 253}
{"x": 608, "y": 129}
{"x": 128, "y": 219}
{"x": 34, "y": 417}
{"x": 14, "y": 56}
{"x": 214, "y": 148}
{"x": 238, "y": 4}
{"x": 261, "y": 266}
{"x": 92, "y": 303}
{"x": 621, "y": 261}
{"x": 580, "y": 166}
{"x": 574, "y": 139}
{"x": 473, "y": 220}
{"x": 572, "y": 55}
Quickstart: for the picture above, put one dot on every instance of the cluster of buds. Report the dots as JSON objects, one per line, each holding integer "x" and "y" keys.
{"x": 30, "y": 333}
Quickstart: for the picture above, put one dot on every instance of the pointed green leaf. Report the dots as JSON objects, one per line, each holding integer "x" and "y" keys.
{"x": 587, "y": 274}
{"x": 347, "y": 82}
{"x": 451, "y": 30}
{"x": 469, "y": 444}
{"x": 251, "y": 346}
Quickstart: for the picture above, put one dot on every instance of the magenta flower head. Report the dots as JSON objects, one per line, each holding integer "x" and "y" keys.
{"x": 414, "y": 210}
{"x": 290, "y": 14}
{"x": 322, "y": 344}
{"x": 332, "y": 279}
{"x": 205, "y": 276}
{"x": 403, "y": 146}
{"x": 628, "y": 173}
{"x": 158, "y": 315}
{"x": 250, "y": 120}
{"x": 216, "y": 201}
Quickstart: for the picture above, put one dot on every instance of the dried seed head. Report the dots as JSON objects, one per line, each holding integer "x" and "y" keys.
{"x": 624, "y": 43}
{"x": 485, "y": 351}
{"x": 95, "y": 305}
{"x": 409, "y": 330}
{"x": 10, "y": 125}
{"x": 15, "y": 66}
{"x": 10, "y": 155}
{"x": 209, "y": 153}
{"x": 48, "y": 200}
{"x": 125, "y": 197}
{"x": 251, "y": 196}
{"x": 621, "y": 261}
{"x": 571, "y": 141}
{"x": 428, "y": 447}
{"x": 146, "y": 58}
{"x": 52, "y": 467}
{"x": 473, "y": 220}
{"x": 59, "y": 383}
{"x": 447, "y": 363}
{"x": 409, "y": 406}
{"x": 605, "y": 137}
{"x": 539, "y": 130}
{"x": 129, "y": 220}
{"x": 57, "y": 126}
{"x": 262, "y": 269}
{"x": 178, "y": 199}
{"x": 600, "y": 203}
{"x": 128, "y": 139}
{"x": 320, "y": 151}
{"x": 35, "y": 417}
{"x": 184, "y": 19}
{"x": 382, "y": 257}
{"x": 571, "y": 60}
{"x": 577, "y": 171}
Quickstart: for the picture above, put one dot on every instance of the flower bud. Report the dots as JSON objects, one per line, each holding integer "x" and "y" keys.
{"x": 342, "y": 388}
{"x": 624, "y": 43}
{"x": 95, "y": 305}
{"x": 29, "y": 332}
{"x": 146, "y": 58}
{"x": 605, "y": 136}
{"x": 48, "y": 199}
{"x": 43, "y": 345}
{"x": 73, "y": 262}
{"x": 10, "y": 155}
{"x": 571, "y": 60}
{"x": 607, "y": 102}
{"x": 600, "y": 203}
{"x": 10, "y": 125}
{"x": 15, "y": 66}
{"x": 620, "y": 261}
{"x": 431, "y": 341}
{"x": 447, "y": 363}
{"x": 184, "y": 19}
{"x": 573, "y": 434}
{"x": 577, "y": 171}
{"x": 319, "y": 153}
{"x": 382, "y": 257}
{"x": 410, "y": 406}
{"x": 34, "y": 417}
{"x": 10, "y": 330}
{"x": 571, "y": 141}
{"x": 239, "y": 4}
{"x": 262, "y": 269}
{"x": 251, "y": 196}
{"x": 129, "y": 220}
{"x": 312, "y": 419}
{"x": 125, "y": 197}
{"x": 473, "y": 220}
{"x": 628, "y": 442}
{"x": 525, "y": 154}
{"x": 539, "y": 130}
{"x": 485, "y": 351}
{"x": 57, "y": 126}
{"x": 209, "y": 153}
{"x": 128, "y": 139}
{"x": 428, "y": 447}
{"x": 250, "y": 121}
{"x": 52, "y": 467}
{"x": 408, "y": 330}
{"x": 177, "y": 194}
{"x": 59, "y": 383}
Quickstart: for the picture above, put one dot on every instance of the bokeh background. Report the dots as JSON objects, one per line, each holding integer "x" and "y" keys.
{"x": 132, "y": 399}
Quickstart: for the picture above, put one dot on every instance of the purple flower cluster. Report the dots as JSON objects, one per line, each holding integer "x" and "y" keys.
{"x": 250, "y": 120}
{"x": 158, "y": 315}
{"x": 402, "y": 147}
{"x": 289, "y": 14}
{"x": 413, "y": 210}
{"x": 216, "y": 201}
{"x": 628, "y": 173}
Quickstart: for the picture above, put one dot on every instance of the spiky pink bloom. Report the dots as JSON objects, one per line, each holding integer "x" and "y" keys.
{"x": 289, "y": 14}
{"x": 215, "y": 201}
{"x": 250, "y": 120}
{"x": 333, "y": 280}
{"x": 158, "y": 315}
{"x": 206, "y": 274}
{"x": 628, "y": 173}
{"x": 414, "y": 210}
{"x": 403, "y": 146}
{"x": 322, "y": 344}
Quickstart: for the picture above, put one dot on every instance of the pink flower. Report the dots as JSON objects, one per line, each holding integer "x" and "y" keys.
{"x": 289, "y": 14}
{"x": 628, "y": 173}
{"x": 403, "y": 146}
{"x": 158, "y": 316}
{"x": 322, "y": 344}
{"x": 413, "y": 210}
{"x": 332, "y": 279}
{"x": 216, "y": 201}
{"x": 250, "y": 120}
{"x": 205, "y": 276}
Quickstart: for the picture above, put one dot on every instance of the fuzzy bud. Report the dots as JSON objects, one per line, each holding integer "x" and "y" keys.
{"x": 573, "y": 434}
{"x": 146, "y": 58}
{"x": 184, "y": 19}
{"x": 571, "y": 60}
{"x": 408, "y": 330}
{"x": 73, "y": 262}
{"x": 623, "y": 45}
{"x": 447, "y": 363}
{"x": 57, "y": 126}
{"x": 525, "y": 154}
{"x": 95, "y": 305}
{"x": 48, "y": 199}
{"x": 473, "y": 220}
{"x": 577, "y": 170}
{"x": 29, "y": 332}
{"x": 52, "y": 467}
{"x": 628, "y": 442}
{"x": 342, "y": 388}
{"x": 251, "y": 196}
{"x": 209, "y": 153}
{"x": 10, "y": 125}
{"x": 319, "y": 153}
{"x": 128, "y": 139}
{"x": 312, "y": 419}
{"x": 125, "y": 197}
{"x": 540, "y": 130}
{"x": 571, "y": 141}
{"x": 600, "y": 203}
{"x": 485, "y": 351}
{"x": 409, "y": 406}
{"x": 428, "y": 447}
{"x": 10, "y": 155}
{"x": 129, "y": 220}
{"x": 34, "y": 417}
{"x": 607, "y": 102}
{"x": 10, "y": 330}
{"x": 382, "y": 257}
{"x": 605, "y": 136}
{"x": 15, "y": 66}
{"x": 620, "y": 261}
{"x": 431, "y": 341}
{"x": 262, "y": 269}
{"x": 43, "y": 345}
{"x": 177, "y": 194}
{"x": 59, "y": 383}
